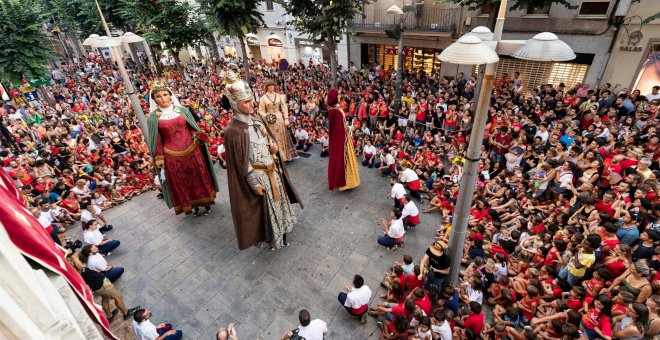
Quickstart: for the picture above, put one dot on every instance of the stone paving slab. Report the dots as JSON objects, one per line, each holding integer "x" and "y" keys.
{"x": 189, "y": 271}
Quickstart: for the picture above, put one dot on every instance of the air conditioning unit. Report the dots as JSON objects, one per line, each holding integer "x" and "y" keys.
{"x": 622, "y": 9}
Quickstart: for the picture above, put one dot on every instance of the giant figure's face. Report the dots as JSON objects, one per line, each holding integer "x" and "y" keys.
{"x": 163, "y": 99}
{"x": 246, "y": 106}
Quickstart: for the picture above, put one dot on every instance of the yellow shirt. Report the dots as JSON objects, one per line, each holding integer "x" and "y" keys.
{"x": 585, "y": 259}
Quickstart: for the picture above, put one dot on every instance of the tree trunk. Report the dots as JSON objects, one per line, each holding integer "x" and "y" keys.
{"x": 177, "y": 61}
{"x": 154, "y": 55}
{"x": 332, "y": 47}
{"x": 246, "y": 64}
{"x": 214, "y": 46}
{"x": 492, "y": 15}
{"x": 42, "y": 91}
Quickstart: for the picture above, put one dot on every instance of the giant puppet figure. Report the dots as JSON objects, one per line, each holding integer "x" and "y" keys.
{"x": 342, "y": 164}
{"x": 275, "y": 113}
{"x": 260, "y": 191}
{"x": 181, "y": 158}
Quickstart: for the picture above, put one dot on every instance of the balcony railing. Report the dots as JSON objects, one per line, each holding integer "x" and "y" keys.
{"x": 432, "y": 19}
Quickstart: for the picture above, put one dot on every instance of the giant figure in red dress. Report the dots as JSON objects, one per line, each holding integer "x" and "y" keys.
{"x": 182, "y": 160}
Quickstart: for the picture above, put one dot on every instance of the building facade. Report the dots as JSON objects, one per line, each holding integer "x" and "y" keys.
{"x": 635, "y": 59}
{"x": 588, "y": 28}
{"x": 428, "y": 28}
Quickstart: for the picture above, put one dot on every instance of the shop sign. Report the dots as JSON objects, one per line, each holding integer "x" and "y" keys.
{"x": 274, "y": 42}
{"x": 252, "y": 41}
{"x": 634, "y": 38}
{"x": 307, "y": 43}
{"x": 407, "y": 52}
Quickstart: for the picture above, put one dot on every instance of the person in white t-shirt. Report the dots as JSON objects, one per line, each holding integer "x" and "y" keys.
{"x": 325, "y": 145}
{"x": 655, "y": 93}
{"x": 222, "y": 152}
{"x": 409, "y": 213}
{"x": 356, "y": 299}
{"x": 393, "y": 231}
{"x": 397, "y": 191}
{"x": 369, "y": 154}
{"x": 144, "y": 329}
{"x": 90, "y": 256}
{"x": 410, "y": 180}
{"x": 302, "y": 139}
{"x": 389, "y": 166}
{"x": 440, "y": 327}
{"x": 92, "y": 234}
{"x": 309, "y": 329}
{"x": 89, "y": 211}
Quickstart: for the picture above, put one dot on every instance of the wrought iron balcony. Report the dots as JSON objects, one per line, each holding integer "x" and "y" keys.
{"x": 426, "y": 19}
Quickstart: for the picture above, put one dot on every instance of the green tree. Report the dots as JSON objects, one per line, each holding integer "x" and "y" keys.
{"x": 176, "y": 24}
{"x": 235, "y": 18}
{"x": 25, "y": 47}
{"x": 515, "y": 5}
{"x": 324, "y": 21}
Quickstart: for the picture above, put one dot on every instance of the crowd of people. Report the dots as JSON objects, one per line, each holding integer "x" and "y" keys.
{"x": 563, "y": 232}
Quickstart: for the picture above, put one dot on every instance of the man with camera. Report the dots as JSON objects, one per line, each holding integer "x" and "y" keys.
{"x": 309, "y": 329}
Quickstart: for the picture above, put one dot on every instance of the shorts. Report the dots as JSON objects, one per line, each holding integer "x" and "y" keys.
{"x": 108, "y": 291}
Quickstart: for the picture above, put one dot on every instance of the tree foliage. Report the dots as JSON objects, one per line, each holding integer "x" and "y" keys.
{"x": 171, "y": 22}
{"x": 324, "y": 20}
{"x": 234, "y": 18}
{"x": 25, "y": 47}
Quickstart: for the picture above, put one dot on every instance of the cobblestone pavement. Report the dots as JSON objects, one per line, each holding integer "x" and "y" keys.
{"x": 188, "y": 270}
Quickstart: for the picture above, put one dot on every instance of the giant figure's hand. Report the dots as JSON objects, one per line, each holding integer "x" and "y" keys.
{"x": 260, "y": 190}
{"x": 273, "y": 148}
{"x": 160, "y": 163}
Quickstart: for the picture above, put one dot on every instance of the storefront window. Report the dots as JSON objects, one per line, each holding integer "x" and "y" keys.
{"x": 415, "y": 59}
{"x": 648, "y": 76}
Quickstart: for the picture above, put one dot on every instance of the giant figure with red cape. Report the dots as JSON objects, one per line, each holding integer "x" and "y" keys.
{"x": 342, "y": 164}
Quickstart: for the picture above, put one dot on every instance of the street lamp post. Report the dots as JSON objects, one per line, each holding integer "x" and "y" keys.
{"x": 470, "y": 50}
{"x": 399, "y": 14}
{"x": 130, "y": 90}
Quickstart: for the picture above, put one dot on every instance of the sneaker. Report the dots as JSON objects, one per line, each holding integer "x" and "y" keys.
{"x": 380, "y": 324}
{"x": 363, "y": 319}
{"x": 392, "y": 248}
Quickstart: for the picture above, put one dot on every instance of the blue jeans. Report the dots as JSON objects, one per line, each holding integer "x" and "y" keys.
{"x": 105, "y": 228}
{"x": 108, "y": 246}
{"x": 386, "y": 241}
{"x": 342, "y": 299}
{"x": 588, "y": 332}
{"x": 114, "y": 273}
{"x": 572, "y": 280}
{"x": 168, "y": 326}
{"x": 366, "y": 161}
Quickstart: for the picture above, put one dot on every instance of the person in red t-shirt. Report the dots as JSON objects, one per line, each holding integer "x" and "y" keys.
{"x": 473, "y": 321}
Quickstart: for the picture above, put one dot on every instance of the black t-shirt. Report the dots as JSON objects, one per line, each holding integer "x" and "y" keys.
{"x": 92, "y": 278}
{"x": 438, "y": 262}
{"x": 391, "y": 121}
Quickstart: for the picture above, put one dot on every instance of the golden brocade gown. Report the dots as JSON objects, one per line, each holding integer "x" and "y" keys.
{"x": 352, "y": 172}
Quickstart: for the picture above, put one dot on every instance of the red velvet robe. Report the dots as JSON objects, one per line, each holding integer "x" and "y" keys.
{"x": 336, "y": 161}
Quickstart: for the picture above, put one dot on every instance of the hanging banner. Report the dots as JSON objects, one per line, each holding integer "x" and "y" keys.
{"x": 30, "y": 93}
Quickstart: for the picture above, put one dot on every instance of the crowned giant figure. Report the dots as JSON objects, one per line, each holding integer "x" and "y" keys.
{"x": 260, "y": 191}
{"x": 184, "y": 166}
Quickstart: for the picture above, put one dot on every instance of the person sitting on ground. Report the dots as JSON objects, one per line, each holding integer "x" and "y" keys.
{"x": 144, "y": 329}
{"x": 102, "y": 287}
{"x": 90, "y": 256}
{"x": 410, "y": 213}
{"x": 92, "y": 234}
{"x": 393, "y": 231}
{"x": 309, "y": 329}
{"x": 356, "y": 299}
